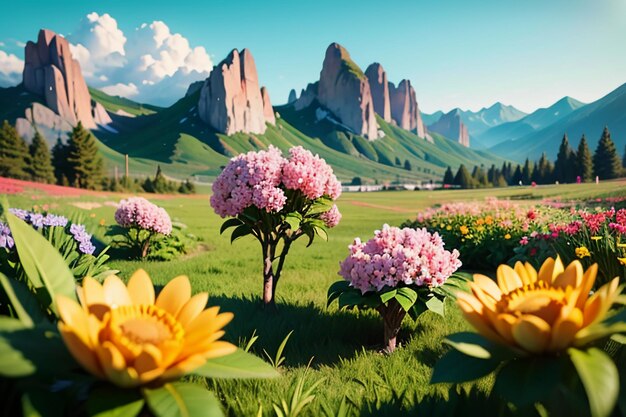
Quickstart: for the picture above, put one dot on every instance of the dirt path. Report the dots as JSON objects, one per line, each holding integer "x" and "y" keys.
{"x": 377, "y": 206}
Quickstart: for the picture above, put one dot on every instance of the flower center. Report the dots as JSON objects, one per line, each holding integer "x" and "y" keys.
{"x": 538, "y": 299}
{"x": 133, "y": 326}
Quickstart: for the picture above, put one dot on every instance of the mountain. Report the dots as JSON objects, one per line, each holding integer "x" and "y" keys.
{"x": 535, "y": 121}
{"x": 429, "y": 119}
{"x": 589, "y": 119}
{"x": 485, "y": 118}
{"x": 452, "y": 127}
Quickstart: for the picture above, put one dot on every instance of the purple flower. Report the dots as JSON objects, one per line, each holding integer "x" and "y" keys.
{"x": 139, "y": 212}
{"x": 6, "y": 239}
{"x": 20, "y": 213}
{"x": 53, "y": 220}
{"x": 82, "y": 238}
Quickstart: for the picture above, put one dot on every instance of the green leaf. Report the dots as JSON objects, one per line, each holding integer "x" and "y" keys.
{"x": 109, "y": 401}
{"x": 473, "y": 344}
{"x": 236, "y": 365}
{"x": 350, "y": 299}
{"x": 230, "y": 223}
{"x": 40, "y": 401}
{"x": 293, "y": 219}
{"x": 26, "y": 350}
{"x": 16, "y": 290}
{"x": 435, "y": 305}
{"x": 182, "y": 400}
{"x": 406, "y": 297}
{"x": 418, "y": 309}
{"x": 539, "y": 377}
{"x": 44, "y": 266}
{"x": 456, "y": 367}
{"x": 240, "y": 231}
{"x": 388, "y": 295}
{"x": 600, "y": 378}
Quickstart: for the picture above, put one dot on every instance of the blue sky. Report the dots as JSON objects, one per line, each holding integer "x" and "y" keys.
{"x": 465, "y": 54}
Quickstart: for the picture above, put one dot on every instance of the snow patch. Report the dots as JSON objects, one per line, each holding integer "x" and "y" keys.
{"x": 183, "y": 120}
{"x": 109, "y": 128}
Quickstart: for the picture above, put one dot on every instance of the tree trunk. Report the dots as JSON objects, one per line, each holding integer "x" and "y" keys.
{"x": 268, "y": 278}
{"x": 392, "y": 314}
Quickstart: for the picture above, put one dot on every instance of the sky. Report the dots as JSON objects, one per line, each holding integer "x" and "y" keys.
{"x": 457, "y": 53}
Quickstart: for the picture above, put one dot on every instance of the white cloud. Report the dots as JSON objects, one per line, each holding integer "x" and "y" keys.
{"x": 119, "y": 89}
{"x": 11, "y": 68}
{"x": 158, "y": 64}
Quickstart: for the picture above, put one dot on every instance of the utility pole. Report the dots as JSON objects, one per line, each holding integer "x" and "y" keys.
{"x": 126, "y": 160}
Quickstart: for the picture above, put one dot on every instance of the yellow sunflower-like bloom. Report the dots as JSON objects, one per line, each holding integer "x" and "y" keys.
{"x": 582, "y": 252}
{"x": 122, "y": 334}
{"x": 540, "y": 312}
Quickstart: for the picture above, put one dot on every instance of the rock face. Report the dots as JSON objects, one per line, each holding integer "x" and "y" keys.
{"x": 268, "y": 111}
{"x": 345, "y": 91}
{"x": 404, "y": 109}
{"x": 292, "y": 96}
{"x": 193, "y": 87}
{"x": 51, "y": 72}
{"x": 451, "y": 126}
{"x": 230, "y": 99}
{"x": 377, "y": 77}
{"x": 306, "y": 96}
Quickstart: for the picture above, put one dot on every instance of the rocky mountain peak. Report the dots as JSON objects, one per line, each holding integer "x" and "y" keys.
{"x": 231, "y": 100}
{"x": 379, "y": 87}
{"x": 404, "y": 109}
{"x": 451, "y": 126}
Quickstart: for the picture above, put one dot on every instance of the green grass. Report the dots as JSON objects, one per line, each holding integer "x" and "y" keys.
{"x": 343, "y": 344}
{"x": 115, "y": 103}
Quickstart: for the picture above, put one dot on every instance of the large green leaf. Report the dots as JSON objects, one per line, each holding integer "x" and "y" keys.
{"x": 388, "y": 295}
{"x": 110, "y": 401}
{"x": 236, "y": 365}
{"x": 436, "y": 305}
{"x": 240, "y": 231}
{"x": 18, "y": 293}
{"x": 230, "y": 223}
{"x": 351, "y": 298}
{"x": 40, "y": 401}
{"x": 182, "y": 400}
{"x": 44, "y": 266}
{"x": 457, "y": 367}
{"x": 26, "y": 350}
{"x": 475, "y": 345}
{"x": 336, "y": 289}
{"x": 293, "y": 220}
{"x": 539, "y": 376}
{"x": 406, "y": 297}
{"x": 600, "y": 378}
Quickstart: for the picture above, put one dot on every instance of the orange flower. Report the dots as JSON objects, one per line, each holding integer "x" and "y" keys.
{"x": 540, "y": 312}
{"x": 464, "y": 230}
{"x": 121, "y": 333}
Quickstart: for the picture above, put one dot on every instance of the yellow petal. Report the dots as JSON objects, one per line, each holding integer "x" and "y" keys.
{"x": 572, "y": 276}
{"x": 531, "y": 271}
{"x": 488, "y": 286}
{"x": 74, "y": 317}
{"x": 220, "y": 348}
{"x": 209, "y": 321}
{"x": 532, "y": 333}
{"x": 83, "y": 354}
{"x": 503, "y": 324}
{"x": 184, "y": 367}
{"x": 508, "y": 280}
{"x": 522, "y": 272}
{"x": 140, "y": 288}
{"x": 483, "y": 297}
{"x": 565, "y": 329}
{"x": 148, "y": 360}
{"x": 472, "y": 310}
{"x": 192, "y": 308}
{"x": 115, "y": 367}
{"x": 589, "y": 278}
{"x": 93, "y": 298}
{"x": 115, "y": 292}
{"x": 174, "y": 295}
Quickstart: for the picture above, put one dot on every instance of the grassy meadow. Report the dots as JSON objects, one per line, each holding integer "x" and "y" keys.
{"x": 342, "y": 346}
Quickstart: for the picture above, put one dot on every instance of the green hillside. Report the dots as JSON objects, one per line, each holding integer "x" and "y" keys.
{"x": 178, "y": 140}
{"x": 113, "y": 104}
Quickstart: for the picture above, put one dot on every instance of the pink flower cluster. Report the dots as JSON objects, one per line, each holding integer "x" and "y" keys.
{"x": 310, "y": 174}
{"x": 398, "y": 256}
{"x": 139, "y": 212}
{"x": 259, "y": 179}
{"x": 332, "y": 217}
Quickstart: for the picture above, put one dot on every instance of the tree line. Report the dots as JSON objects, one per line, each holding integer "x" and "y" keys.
{"x": 75, "y": 163}
{"x": 570, "y": 166}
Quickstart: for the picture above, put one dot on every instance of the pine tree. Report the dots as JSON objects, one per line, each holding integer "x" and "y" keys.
{"x": 14, "y": 156}
{"x": 463, "y": 178}
{"x": 407, "y": 165}
{"x": 527, "y": 172}
{"x": 500, "y": 181}
{"x": 516, "y": 178}
{"x": 606, "y": 163}
{"x": 480, "y": 177}
{"x": 492, "y": 174}
{"x": 624, "y": 158}
{"x": 41, "y": 162}
{"x": 85, "y": 167}
{"x": 584, "y": 161}
{"x": 59, "y": 162}
{"x": 565, "y": 161}
{"x": 448, "y": 177}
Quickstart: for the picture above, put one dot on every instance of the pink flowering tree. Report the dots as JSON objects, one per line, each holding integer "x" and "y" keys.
{"x": 141, "y": 222}
{"x": 397, "y": 272}
{"x": 277, "y": 200}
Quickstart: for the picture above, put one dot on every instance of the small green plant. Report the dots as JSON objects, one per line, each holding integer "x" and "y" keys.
{"x": 300, "y": 396}
{"x": 278, "y": 359}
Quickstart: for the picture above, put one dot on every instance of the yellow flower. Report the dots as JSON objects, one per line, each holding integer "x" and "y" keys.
{"x": 480, "y": 222}
{"x": 448, "y": 227}
{"x": 582, "y": 252}
{"x": 621, "y": 245}
{"x": 622, "y": 261}
{"x": 507, "y": 236}
{"x": 480, "y": 228}
{"x": 489, "y": 220}
{"x": 596, "y": 237}
{"x": 122, "y": 334}
{"x": 102, "y": 222}
{"x": 464, "y": 230}
{"x": 534, "y": 312}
